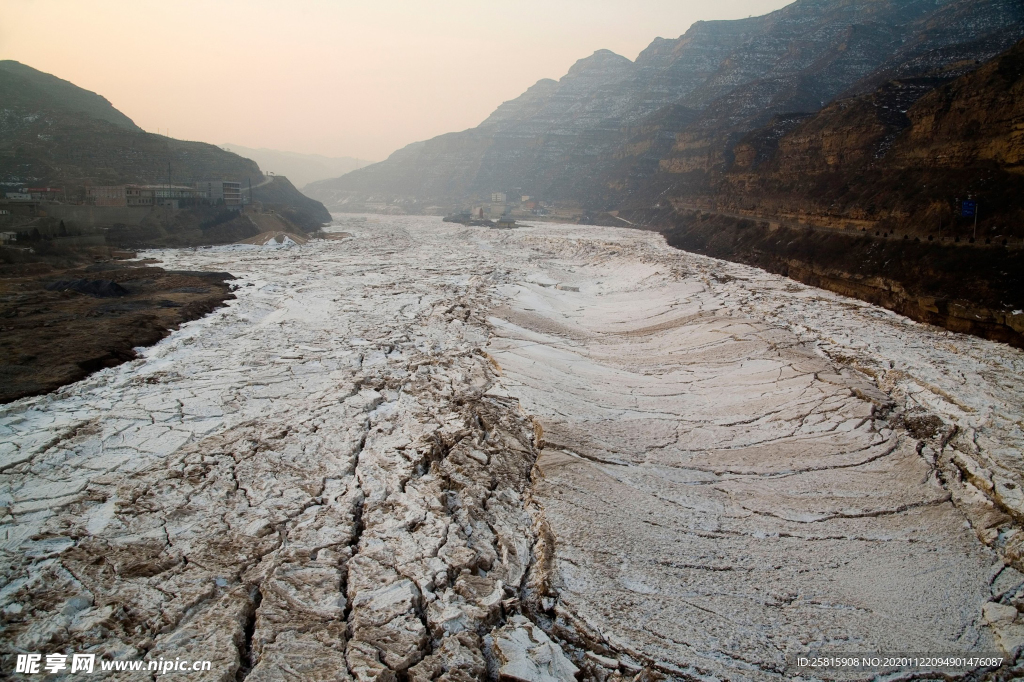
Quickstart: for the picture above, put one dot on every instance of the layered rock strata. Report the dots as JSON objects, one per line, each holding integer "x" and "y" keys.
{"x": 966, "y": 289}
{"x": 612, "y": 133}
{"x": 894, "y": 159}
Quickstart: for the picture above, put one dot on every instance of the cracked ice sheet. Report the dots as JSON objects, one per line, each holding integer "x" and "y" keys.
{"x": 271, "y": 487}
{"x": 317, "y": 464}
{"x": 718, "y": 475}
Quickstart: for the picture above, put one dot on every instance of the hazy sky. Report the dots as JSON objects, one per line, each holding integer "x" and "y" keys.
{"x": 333, "y": 77}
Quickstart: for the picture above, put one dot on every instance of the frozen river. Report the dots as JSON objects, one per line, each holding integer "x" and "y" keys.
{"x": 436, "y": 451}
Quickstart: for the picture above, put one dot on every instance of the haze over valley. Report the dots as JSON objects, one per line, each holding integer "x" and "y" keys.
{"x": 301, "y": 169}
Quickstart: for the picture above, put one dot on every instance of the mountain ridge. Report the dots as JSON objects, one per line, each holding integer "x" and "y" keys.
{"x": 32, "y": 84}
{"x": 579, "y": 140}
{"x": 56, "y": 134}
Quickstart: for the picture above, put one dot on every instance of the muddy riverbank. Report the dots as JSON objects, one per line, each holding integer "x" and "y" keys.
{"x": 60, "y": 325}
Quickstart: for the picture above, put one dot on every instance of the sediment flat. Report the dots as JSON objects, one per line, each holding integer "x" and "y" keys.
{"x": 58, "y": 326}
{"x": 428, "y": 451}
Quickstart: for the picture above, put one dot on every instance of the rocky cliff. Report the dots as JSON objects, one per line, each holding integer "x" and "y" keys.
{"x": 894, "y": 160}
{"x": 611, "y": 131}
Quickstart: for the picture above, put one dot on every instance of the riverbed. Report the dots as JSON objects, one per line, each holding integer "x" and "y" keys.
{"x": 427, "y": 447}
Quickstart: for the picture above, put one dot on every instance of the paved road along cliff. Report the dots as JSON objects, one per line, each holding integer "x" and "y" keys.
{"x": 428, "y": 451}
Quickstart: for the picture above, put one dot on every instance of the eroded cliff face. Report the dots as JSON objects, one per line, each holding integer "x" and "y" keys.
{"x": 965, "y": 289}
{"x": 974, "y": 120}
{"x": 613, "y": 132}
{"x": 915, "y": 44}
{"x": 896, "y": 159}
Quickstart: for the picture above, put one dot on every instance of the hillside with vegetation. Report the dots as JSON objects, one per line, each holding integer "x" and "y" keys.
{"x": 28, "y": 90}
{"x": 55, "y": 134}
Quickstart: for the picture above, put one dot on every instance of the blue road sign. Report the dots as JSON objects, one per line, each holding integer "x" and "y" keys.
{"x": 968, "y": 208}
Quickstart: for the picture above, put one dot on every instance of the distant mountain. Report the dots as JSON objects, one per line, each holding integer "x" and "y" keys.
{"x": 26, "y": 89}
{"x": 616, "y": 133}
{"x": 301, "y": 169}
{"x": 56, "y": 134}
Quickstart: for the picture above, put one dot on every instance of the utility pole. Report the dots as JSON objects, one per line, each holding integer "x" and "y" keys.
{"x": 977, "y": 207}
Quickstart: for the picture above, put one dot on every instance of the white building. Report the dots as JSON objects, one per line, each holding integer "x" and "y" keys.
{"x": 498, "y": 197}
